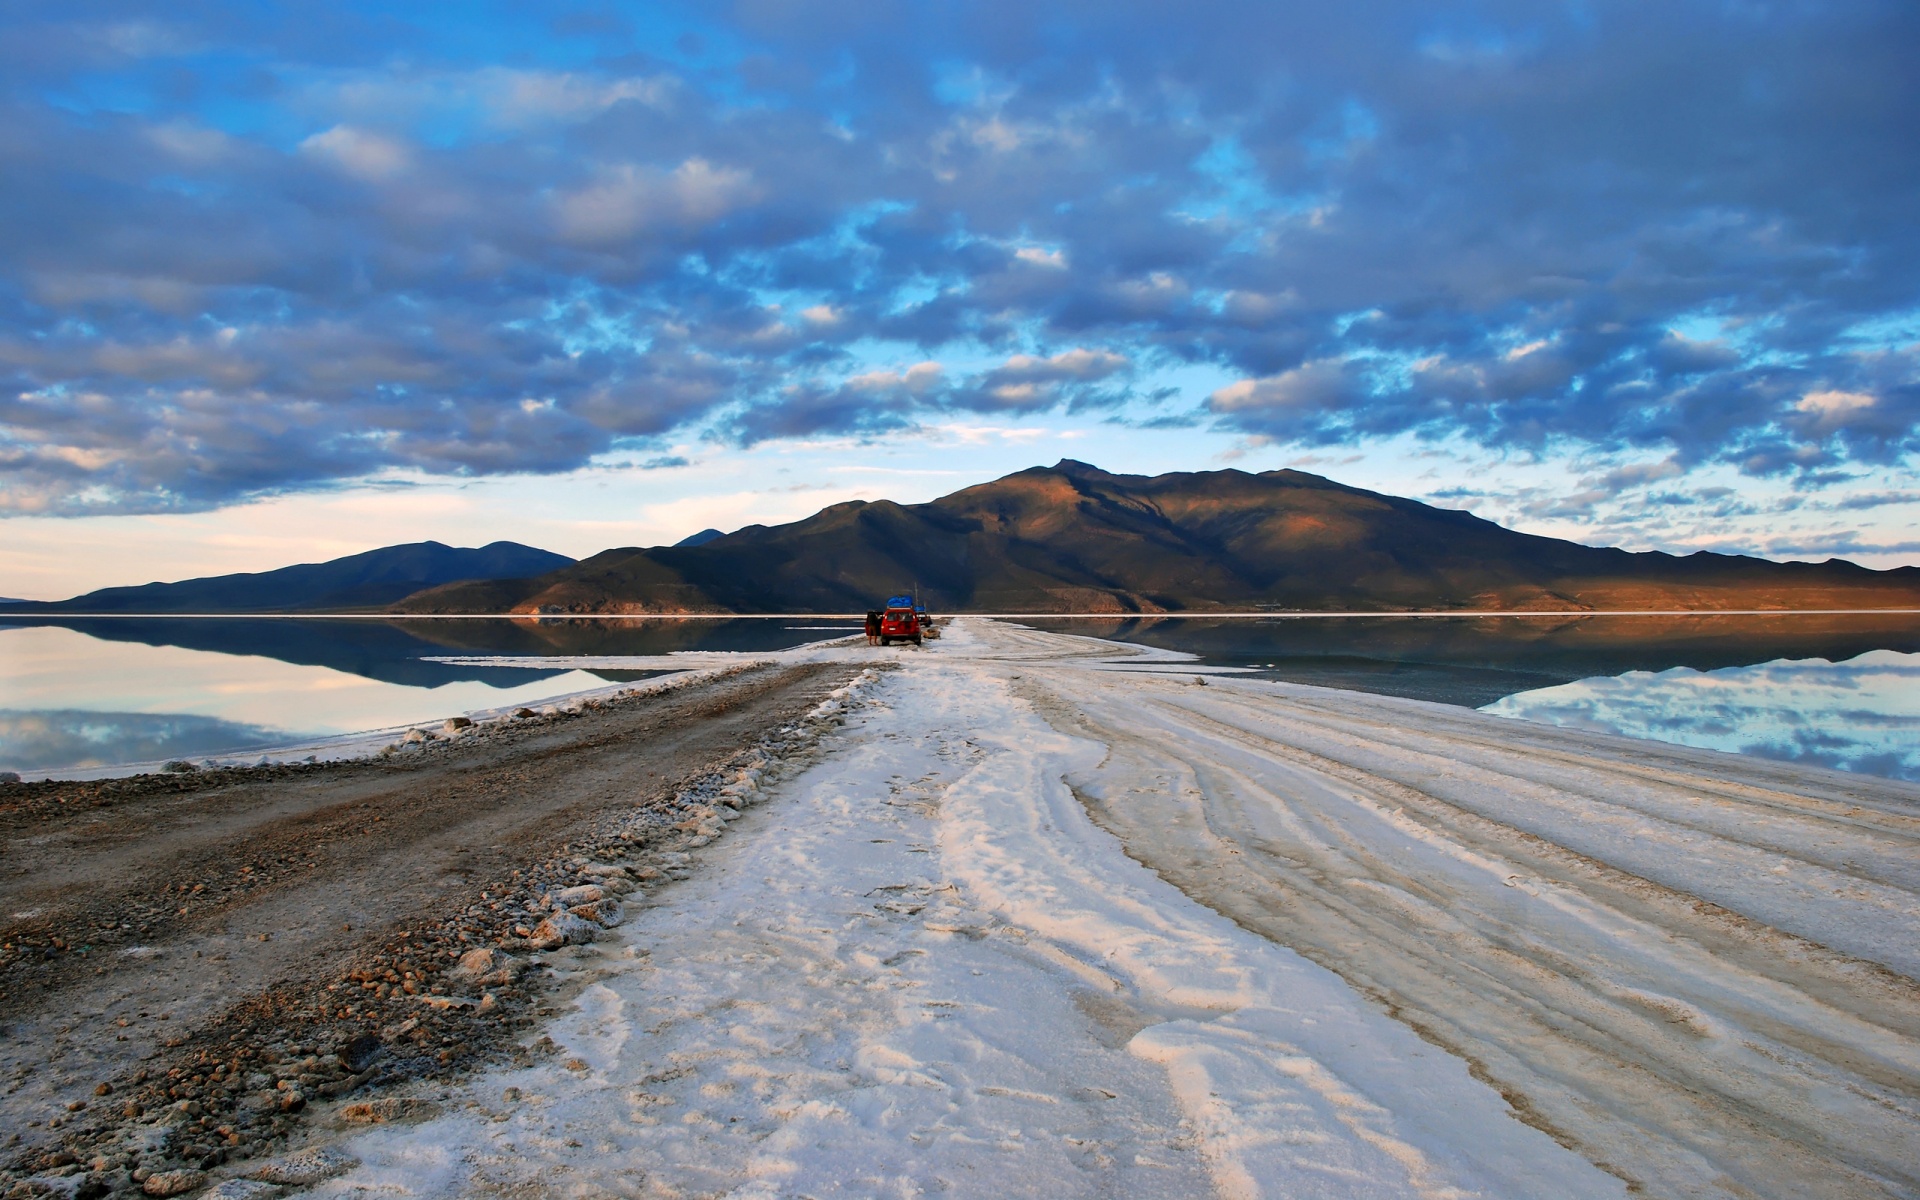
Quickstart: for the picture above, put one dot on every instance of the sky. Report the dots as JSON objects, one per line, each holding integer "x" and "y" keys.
{"x": 284, "y": 282}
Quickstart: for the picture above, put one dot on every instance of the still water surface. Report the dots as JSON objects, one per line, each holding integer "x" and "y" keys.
{"x": 1836, "y": 690}
{"x": 1839, "y": 691}
{"x": 99, "y": 693}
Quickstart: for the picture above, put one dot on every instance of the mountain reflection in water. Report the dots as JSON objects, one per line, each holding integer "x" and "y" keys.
{"x": 96, "y": 693}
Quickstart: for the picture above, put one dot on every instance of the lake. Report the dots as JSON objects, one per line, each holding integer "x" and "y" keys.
{"x": 95, "y": 693}
{"x": 1838, "y": 691}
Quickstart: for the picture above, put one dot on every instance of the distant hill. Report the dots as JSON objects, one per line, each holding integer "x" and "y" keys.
{"x": 701, "y": 538}
{"x": 370, "y": 580}
{"x": 1074, "y": 538}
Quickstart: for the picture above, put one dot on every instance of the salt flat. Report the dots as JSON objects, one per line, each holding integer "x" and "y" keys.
{"x": 1053, "y": 919}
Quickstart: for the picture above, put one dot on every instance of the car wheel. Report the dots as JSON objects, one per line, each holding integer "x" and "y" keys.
{"x": 886, "y": 641}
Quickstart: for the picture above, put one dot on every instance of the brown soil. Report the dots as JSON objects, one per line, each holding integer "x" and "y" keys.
{"x": 186, "y": 960}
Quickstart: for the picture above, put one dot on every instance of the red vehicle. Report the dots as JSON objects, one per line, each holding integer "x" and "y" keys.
{"x": 899, "y": 621}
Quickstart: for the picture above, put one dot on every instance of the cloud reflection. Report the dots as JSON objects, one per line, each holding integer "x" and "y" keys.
{"x": 70, "y": 739}
{"x": 1861, "y": 715}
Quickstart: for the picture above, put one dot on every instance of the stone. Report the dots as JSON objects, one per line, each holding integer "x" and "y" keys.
{"x": 416, "y": 736}
{"x": 389, "y": 1110}
{"x": 358, "y": 1054}
{"x": 453, "y": 724}
{"x": 9, "y": 777}
{"x": 474, "y": 963}
{"x": 524, "y": 713}
{"x": 305, "y": 1168}
{"x": 604, "y": 913}
{"x": 445, "y": 1003}
{"x": 562, "y": 929}
{"x": 179, "y": 766}
{"x": 585, "y": 893}
{"x": 173, "y": 1183}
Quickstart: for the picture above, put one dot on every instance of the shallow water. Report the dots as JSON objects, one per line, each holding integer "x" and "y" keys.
{"x": 100, "y": 693}
{"x": 1833, "y": 690}
{"x": 1859, "y": 715}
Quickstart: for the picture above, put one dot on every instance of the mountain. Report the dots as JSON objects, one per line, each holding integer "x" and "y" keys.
{"x": 369, "y": 580}
{"x": 1074, "y": 538}
{"x": 700, "y": 539}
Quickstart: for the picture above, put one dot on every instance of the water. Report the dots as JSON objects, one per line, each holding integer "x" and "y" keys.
{"x": 1838, "y": 691}
{"x": 88, "y": 694}
{"x": 1859, "y": 715}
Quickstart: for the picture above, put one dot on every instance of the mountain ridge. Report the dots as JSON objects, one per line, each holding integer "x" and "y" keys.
{"x": 367, "y": 580}
{"x": 1075, "y": 538}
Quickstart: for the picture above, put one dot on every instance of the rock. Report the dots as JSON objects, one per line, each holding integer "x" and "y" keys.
{"x": 357, "y": 1055}
{"x": 388, "y": 1110}
{"x": 605, "y": 913}
{"x": 445, "y": 1002}
{"x": 179, "y": 766}
{"x": 474, "y": 963}
{"x": 173, "y": 1183}
{"x": 562, "y": 929}
{"x": 306, "y": 1168}
{"x": 416, "y": 736}
{"x": 524, "y": 713}
{"x": 456, "y": 723}
{"x": 9, "y": 777}
{"x": 604, "y": 871}
{"x": 585, "y": 893}
{"x": 242, "y": 1189}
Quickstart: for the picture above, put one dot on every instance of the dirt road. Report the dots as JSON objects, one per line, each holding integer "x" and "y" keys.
{"x": 200, "y": 939}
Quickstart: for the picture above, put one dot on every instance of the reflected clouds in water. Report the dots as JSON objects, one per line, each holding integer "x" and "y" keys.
{"x": 1861, "y": 715}
{"x": 70, "y": 738}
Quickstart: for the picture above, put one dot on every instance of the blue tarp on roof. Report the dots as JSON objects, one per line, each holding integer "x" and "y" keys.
{"x": 900, "y": 602}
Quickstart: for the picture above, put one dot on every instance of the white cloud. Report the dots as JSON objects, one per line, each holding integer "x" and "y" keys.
{"x": 359, "y": 152}
{"x": 631, "y": 199}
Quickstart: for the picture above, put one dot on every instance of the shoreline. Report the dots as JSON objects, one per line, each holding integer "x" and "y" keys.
{"x": 1289, "y": 614}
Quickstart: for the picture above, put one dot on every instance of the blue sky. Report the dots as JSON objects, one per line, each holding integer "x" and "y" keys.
{"x": 280, "y": 283}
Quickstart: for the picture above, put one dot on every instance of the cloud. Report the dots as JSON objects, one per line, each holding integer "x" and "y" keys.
{"x": 239, "y": 256}
{"x": 630, "y": 199}
{"x": 370, "y": 156}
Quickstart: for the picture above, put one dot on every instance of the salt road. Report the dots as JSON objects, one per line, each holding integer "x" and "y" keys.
{"x": 1050, "y": 918}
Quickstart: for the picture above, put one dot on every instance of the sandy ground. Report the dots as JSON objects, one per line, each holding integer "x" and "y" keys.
{"x": 1050, "y": 917}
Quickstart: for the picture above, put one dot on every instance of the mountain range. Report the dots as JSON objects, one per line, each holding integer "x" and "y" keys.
{"x": 358, "y": 581}
{"x": 1069, "y": 538}
{"x": 1074, "y": 538}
